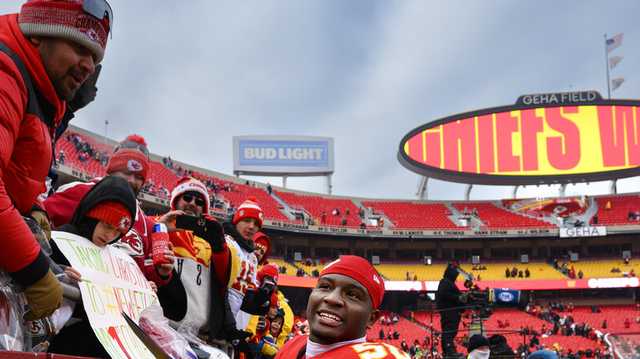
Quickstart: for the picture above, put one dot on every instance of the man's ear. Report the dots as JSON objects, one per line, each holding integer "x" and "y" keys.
{"x": 373, "y": 317}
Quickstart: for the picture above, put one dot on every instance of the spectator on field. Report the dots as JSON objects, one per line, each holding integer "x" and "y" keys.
{"x": 499, "y": 347}
{"x": 527, "y": 273}
{"x": 478, "y": 347}
{"x": 507, "y": 273}
{"x": 580, "y": 274}
{"x": 45, "y": 61}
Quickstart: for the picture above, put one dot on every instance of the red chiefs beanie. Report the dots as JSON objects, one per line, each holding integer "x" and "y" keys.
{"x": 249, "y": 209}
{"x": 263, "y": 240}
{"x": 189, "y": 184}
{"x": 131, "y": 155}
{"x": 114, "y": 213}
{"x": 268, "y": 270}
{"x": 67, "y": 19}
{"x": 362, "y": 272}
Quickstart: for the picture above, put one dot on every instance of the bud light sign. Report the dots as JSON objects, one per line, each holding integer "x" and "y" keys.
{"x": 283, "y": 155}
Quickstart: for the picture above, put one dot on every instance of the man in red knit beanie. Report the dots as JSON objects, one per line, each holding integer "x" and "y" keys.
{"x": 47, "y": 51}
{"x": 130, "y": 160}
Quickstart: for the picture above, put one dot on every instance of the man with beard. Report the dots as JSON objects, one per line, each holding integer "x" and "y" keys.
{"x": 187, "y": 298}
{"x": 130, "y": 161}
{"x": 449, "y": 301}
{"x": 341, "y": 307}
{"x": 47, "y": 52}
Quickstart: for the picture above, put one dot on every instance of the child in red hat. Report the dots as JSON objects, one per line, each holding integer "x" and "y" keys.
{"x": 103, "y": 215}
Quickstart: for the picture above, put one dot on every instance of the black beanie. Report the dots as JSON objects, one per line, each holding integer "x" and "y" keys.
{"x": 476, "y": 341}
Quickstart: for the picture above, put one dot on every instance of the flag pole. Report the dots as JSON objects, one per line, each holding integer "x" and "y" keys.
{"x": 606, "y": 65}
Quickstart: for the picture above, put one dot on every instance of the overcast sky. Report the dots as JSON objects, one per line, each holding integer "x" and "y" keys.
{"x": 189, "y": 75}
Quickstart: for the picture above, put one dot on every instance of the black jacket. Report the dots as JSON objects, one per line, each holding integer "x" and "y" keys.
{"x": 448, "y": 294}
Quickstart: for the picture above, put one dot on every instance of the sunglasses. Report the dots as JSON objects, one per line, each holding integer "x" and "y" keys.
{"x": 99, "y": 9}
{"x": 190, "y": 197}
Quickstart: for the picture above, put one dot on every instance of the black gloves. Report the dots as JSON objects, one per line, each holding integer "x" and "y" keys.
{"x": 86, "y": 93}
{"x": 205, "y": 227}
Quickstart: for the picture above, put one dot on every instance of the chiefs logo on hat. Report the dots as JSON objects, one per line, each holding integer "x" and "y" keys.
{"x": 134, "y": 166}
{"x": 124, "y": 223}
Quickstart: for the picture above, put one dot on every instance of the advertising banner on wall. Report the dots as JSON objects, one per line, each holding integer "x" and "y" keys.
{"x": 595, "y": 231}
{"x": 282, "y": 155}
{"x": 111, "y": 284}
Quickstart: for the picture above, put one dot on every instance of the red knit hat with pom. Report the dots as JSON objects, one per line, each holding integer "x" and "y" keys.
{"x": 131, "y": 155}
{"x": 249, "y": 209}
{"x": 190, "y": 184}
{"x": 85, "y": 24}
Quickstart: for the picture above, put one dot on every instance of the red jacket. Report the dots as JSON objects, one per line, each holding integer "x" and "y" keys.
{"x": 137, "y": 242}
{"x": 25, "y": 152}
{"x": 350, "y": 351}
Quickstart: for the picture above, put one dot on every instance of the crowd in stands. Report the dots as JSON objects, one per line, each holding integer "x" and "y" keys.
{"x": 555, "y": 330}
{"x": 566, "y": 269}
{"x": 85, "y": 151}
{"x": 516, "y": 273}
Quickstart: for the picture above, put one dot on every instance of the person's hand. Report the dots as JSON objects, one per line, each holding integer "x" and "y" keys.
{"x": 164, "y": 270}
{"x": 43, "y": 221}
{"x": 169, "y": 218}
{"x": 86, "y": 93}
{"x": 73, "y": 274}
{"x": 43, "y": 296}
{"x": 154, "y": 286}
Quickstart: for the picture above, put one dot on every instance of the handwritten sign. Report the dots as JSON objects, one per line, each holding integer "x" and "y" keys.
{"x": 111, "y": 284}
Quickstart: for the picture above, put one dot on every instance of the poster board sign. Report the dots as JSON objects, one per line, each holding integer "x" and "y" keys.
{"x": 111, "y": 284}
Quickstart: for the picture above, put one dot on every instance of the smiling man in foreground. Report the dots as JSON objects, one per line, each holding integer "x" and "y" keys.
{"x": 341, "y": 307}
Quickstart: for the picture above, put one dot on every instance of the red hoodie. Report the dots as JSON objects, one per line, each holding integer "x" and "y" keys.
{"x": 25, "y": 153}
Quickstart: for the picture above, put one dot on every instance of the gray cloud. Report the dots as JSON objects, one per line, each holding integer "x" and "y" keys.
{"x": 190, "y": 75}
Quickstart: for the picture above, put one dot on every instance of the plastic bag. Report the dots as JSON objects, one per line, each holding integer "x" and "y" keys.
{"x": 12, "y": 303}
{"x": 156, "y": 326}
{"x": 202, "y": 349}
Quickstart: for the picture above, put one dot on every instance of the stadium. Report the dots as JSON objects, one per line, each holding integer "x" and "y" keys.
{"x": 566, "y": 257}
{"x": 112, "y": 250}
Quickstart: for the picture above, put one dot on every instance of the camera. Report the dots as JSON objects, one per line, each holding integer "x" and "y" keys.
{"x": 486, "y": 299}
